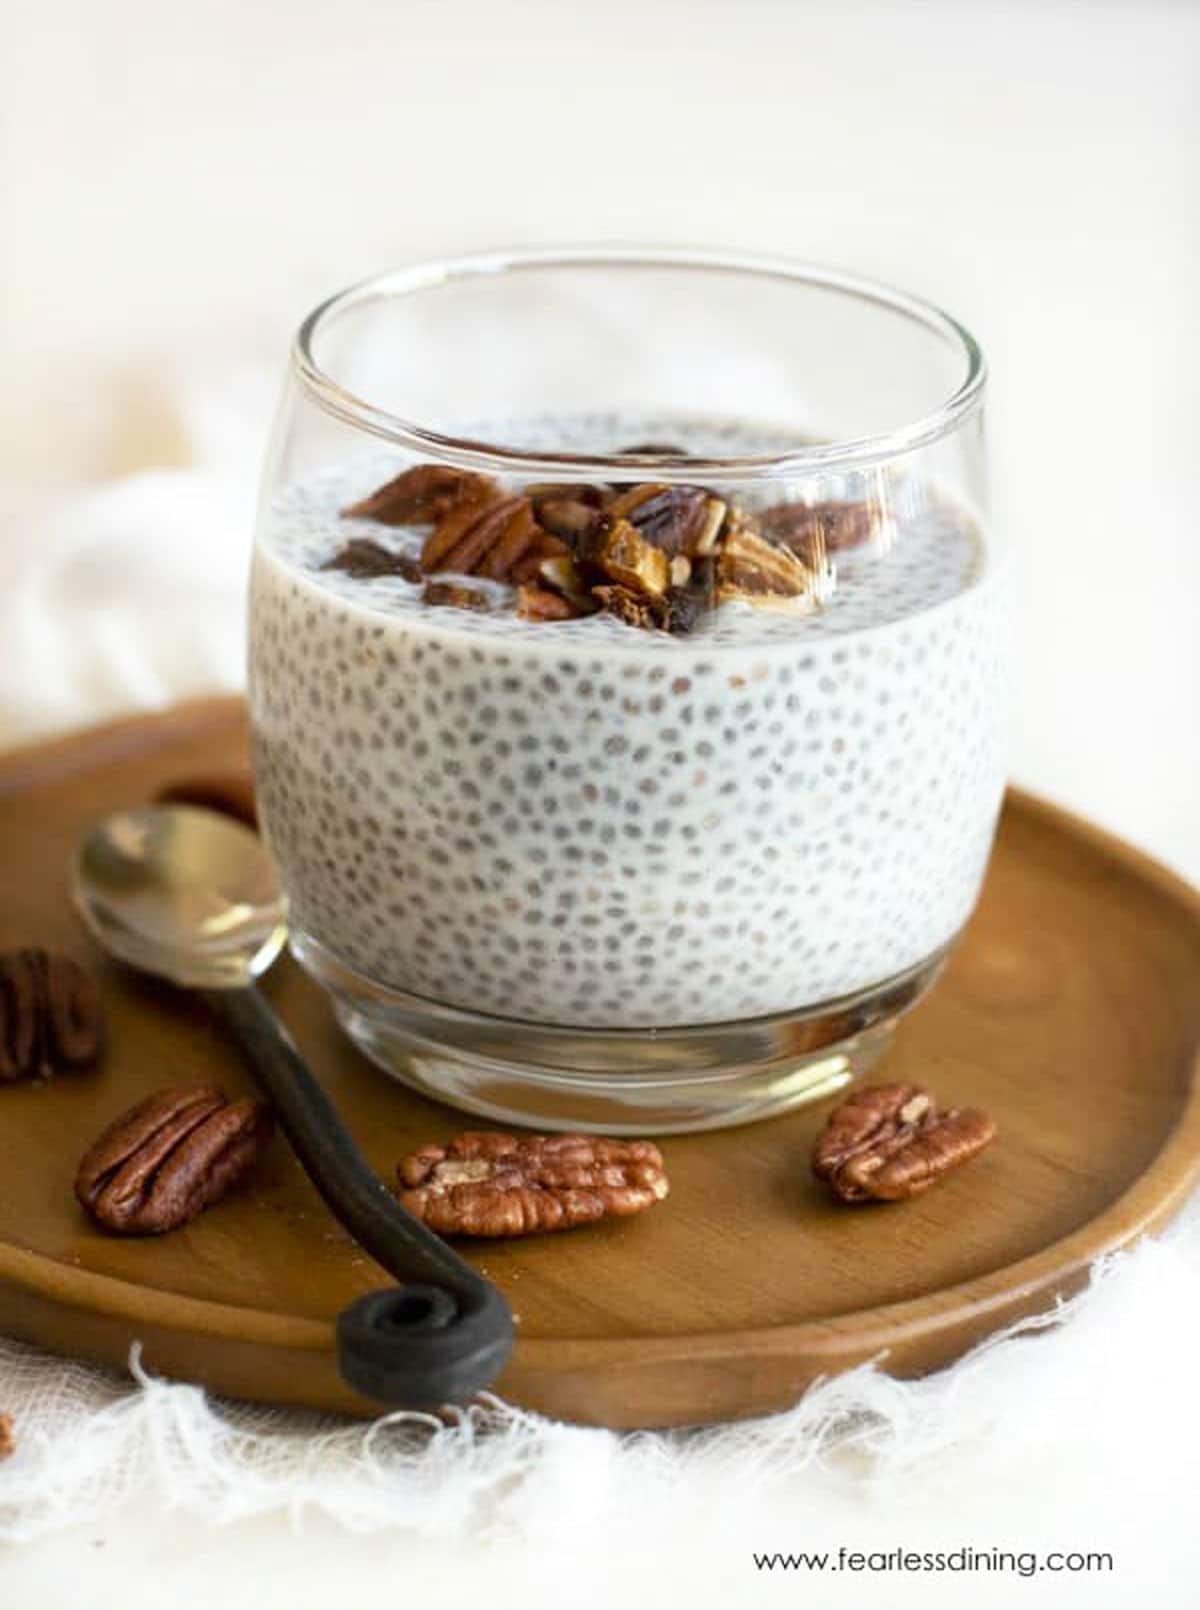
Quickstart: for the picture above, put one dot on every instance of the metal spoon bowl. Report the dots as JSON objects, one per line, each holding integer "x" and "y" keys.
{"x": 191, "y": 896}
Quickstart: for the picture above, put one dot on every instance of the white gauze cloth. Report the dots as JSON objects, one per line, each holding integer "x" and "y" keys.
{"x": 1077, "y": 1432}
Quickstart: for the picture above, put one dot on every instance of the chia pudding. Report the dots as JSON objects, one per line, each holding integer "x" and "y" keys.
{"x": 576, "y": 823}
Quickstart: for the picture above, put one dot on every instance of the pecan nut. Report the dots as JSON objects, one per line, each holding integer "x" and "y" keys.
{"x": 167, "y": 1159}
{"x": 889, "y": 1142}
{"x": 424, "y": 492}
{"x": 231, "y": 793}
{"x": 51, "y": 1016}
{"x": 485, "y": 1184}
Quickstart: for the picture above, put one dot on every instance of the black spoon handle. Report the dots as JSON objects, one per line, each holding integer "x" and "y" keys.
{"x": 446, "y": 1333}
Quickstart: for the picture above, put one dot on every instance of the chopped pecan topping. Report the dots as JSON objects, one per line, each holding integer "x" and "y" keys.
{"x": 484, "y": 533}
{"x": 568, "y": 518}
{"x": 614, "y": 551}
{"x": 51, "y": 1016}
{"x": 8, "y": 1439}
{"x": 363, "y": 558}
{"x": 542, "y": 493}
{"x": 756, "y": 571}
{"x": 516, "y": 536}
{"x": 451, "y": 528}
{"x": 677, "y": 519}
{"x": 529, "y": 566}
{"x": 487, "y": 538}
{"x": 424, "y": 492}
{"x": 655, "y": 555}
{"x": 889, "y": 1142}
{"x": 536, "y": 603}
{"x": 445, "y": 594}
{"x": 561, "y": 575}
{"x": 165, "y": 1160}
{"x": 823, "y": 527}
{"x": 230, "y": 792}
{"x": 495, "y": 1185}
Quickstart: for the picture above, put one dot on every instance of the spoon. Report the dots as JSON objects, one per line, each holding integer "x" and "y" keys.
{"x": 191, "y": 896}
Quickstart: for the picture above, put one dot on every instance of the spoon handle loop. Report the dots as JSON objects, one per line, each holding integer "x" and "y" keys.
{"x": 446, "y": 1333}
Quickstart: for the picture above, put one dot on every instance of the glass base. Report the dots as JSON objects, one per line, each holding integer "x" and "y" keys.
{"x": 617, "y": 1081}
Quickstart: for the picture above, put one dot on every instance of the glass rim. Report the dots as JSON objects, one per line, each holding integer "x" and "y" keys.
{"x": 489, "y": 457}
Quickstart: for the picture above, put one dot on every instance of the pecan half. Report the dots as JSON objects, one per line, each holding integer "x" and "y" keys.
{"x": 495, "y": 1185}
{"x": 488, "y": 537}
{"x": 174, "y": 1154}
{"x": 364, "y": 559}
{"x": 890, "y": 1142}
{"x": 51, "y": 1016}
{"x": 424, "y": 492}
{"x": 8, "y": 1440}
{"x": 447, "y": 594}
{"x": 231, "y": 793}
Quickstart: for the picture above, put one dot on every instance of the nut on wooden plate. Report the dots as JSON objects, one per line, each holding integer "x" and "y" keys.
{"x": 51, "y": 1016}
{"x": 484, "y": 1184}
{"x": 169, "y": 1157}
{"x": 885, "y": 1143}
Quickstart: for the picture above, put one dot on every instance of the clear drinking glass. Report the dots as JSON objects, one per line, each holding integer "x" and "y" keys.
{"x": 582, "y": 873}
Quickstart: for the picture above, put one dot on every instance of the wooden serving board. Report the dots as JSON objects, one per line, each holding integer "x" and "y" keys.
{"x": 1071, "y": 1012}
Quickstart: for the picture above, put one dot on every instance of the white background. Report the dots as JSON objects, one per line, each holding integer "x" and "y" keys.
{"x": 180, "y": 183}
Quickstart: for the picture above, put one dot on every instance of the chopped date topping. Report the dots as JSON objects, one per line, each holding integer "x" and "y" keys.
{"x": 634, "y": 608}
{"x": 363, "y": 558}
{"x": 677, "y": 519}
{"x": 824, "y": 527}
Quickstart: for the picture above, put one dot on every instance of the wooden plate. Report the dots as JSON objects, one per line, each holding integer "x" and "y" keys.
{"x": 1071, "y": 1012}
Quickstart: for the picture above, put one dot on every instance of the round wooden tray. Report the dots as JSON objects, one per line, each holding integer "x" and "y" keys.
{"x": 1071, "y": 1012}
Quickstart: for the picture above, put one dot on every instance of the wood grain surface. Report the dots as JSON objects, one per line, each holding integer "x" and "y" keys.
{"x": 1071, "y": 1012}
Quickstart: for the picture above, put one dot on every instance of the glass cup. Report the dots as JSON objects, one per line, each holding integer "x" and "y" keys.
{"x": 676, "y": 862}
